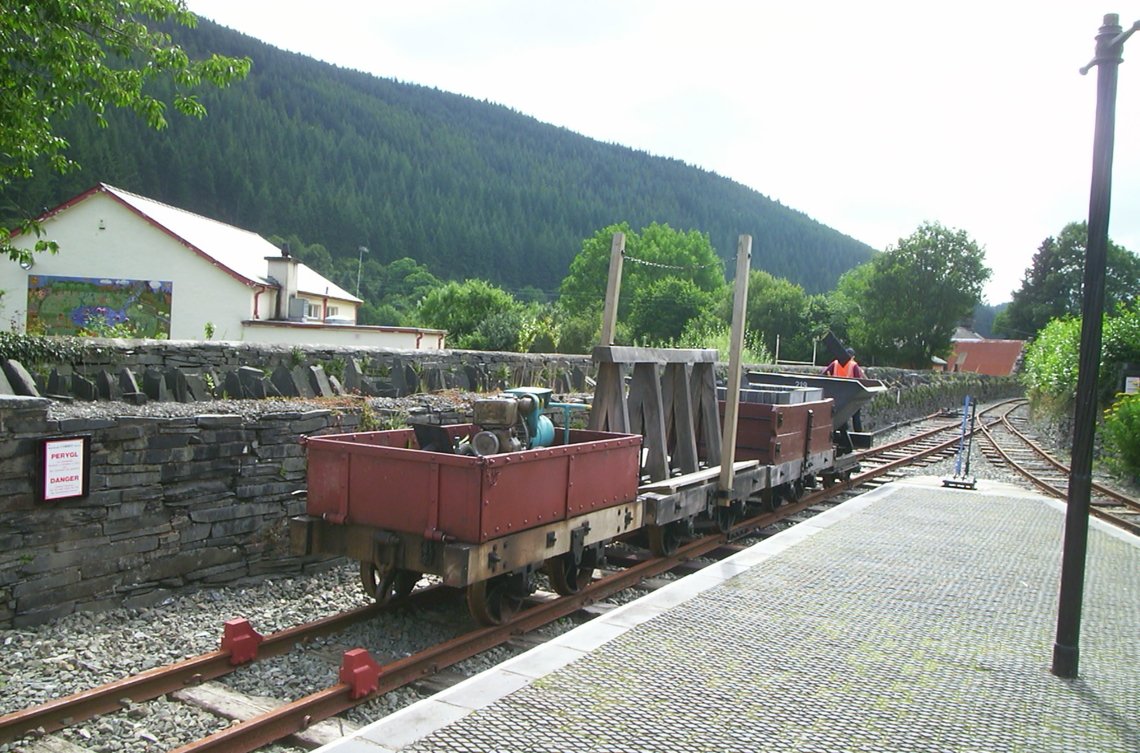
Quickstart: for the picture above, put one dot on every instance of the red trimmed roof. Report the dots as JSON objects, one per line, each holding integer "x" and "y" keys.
{"x": 993, "y": 357}
{"x": 240, "y": 253}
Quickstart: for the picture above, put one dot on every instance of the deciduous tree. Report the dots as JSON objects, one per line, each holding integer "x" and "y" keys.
{"x": 660, "y": 310}
{"x": 95, "y": 53}
{"x": 779, "y": 308}
{"x": 917, "y": 292}
{"x": 475, "y": 313}
{"x": 653, "y": 255}
{"x": 1054, "y": 281}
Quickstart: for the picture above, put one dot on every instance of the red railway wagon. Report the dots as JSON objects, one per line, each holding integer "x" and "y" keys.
{"x": 775, "y": 434}
{"x": 793, "y": 440}
{"x": 403, "y": 511}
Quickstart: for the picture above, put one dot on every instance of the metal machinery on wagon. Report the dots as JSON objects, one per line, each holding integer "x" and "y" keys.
{"x": 487, "y": 505}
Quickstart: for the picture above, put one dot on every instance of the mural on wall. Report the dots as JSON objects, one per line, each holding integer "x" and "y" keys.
{"x": 98, "y": 307}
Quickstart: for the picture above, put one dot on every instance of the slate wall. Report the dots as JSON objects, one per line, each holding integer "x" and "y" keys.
{"x": 174, "y": 502}
{"x": 160, "y": 370}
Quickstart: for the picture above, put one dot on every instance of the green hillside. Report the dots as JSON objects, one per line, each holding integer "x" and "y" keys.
{"x": 468, "y": 188}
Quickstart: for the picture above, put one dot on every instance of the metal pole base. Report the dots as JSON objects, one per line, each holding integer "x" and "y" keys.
{"x": 1065, "y": 661}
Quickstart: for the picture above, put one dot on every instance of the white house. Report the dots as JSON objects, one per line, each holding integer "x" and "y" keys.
{"x": 160, "y": 271}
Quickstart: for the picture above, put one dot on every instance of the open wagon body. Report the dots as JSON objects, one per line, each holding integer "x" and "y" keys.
{"x": 383, "y": 480}
{"x": 402, "y": 511}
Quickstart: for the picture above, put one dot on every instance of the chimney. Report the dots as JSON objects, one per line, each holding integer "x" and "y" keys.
{"x": 283, "y": 272}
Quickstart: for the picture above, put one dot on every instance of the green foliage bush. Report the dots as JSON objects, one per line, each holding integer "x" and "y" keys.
{"x": 717, "y": 335}
{"x": 1120, "y": 345}
{"x": 668, "y": 277}
{"x": 475, "y": 313}
{"x": 499, "y": 331}
{"x": 32, "y": 350}
{"x": 1121, "y": 435}
{"x": 1049, "y": 371}
{"x": 661, "y": 309}
{"x": 578, "y": 333}
{"x": 540, "y": 330}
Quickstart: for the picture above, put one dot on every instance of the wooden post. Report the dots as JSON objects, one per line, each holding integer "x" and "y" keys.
{"x": 735, "y": 347}
{"x": 613, "y": 290}
{"x": 610, "y": 411}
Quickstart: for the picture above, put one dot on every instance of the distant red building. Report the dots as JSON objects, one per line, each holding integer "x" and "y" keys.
{"x": 981, "y": 356}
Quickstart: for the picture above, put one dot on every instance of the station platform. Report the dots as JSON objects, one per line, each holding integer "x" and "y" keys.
{"x": 911, "y": 618}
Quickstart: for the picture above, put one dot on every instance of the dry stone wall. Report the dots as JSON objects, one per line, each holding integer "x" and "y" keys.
{"x": 173, "y": 502}
{"x": 191, "y": 501}
{"x": 187, "y": 371}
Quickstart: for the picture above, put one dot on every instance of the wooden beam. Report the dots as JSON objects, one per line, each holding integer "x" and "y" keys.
{"x": 736, "y": 346}
{"x": 613, "y": 289}
{"x": 676, "y": 388}
{"x": 631, "y": 354}
{"x": 646, "y": 413}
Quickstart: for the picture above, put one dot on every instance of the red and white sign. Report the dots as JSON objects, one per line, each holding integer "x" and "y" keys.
{"x": 63, "y": 468}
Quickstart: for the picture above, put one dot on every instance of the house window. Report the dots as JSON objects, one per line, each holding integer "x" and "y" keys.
{"x": 333, "y": 310}
{"x": 312, "y": 310}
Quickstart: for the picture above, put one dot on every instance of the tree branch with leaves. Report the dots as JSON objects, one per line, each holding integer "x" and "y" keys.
{"x": 99, "y": 54}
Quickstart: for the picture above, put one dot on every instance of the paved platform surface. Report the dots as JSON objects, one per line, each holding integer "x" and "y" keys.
{"x": 912, "y": 618}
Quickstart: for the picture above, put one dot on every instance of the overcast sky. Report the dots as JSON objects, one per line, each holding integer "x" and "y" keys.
{"x": 870, "y": 117}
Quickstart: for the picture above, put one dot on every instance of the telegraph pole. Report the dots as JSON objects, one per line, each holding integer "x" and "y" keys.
{"x": 359, "y": 266}
{"x": 1109, "y": 55}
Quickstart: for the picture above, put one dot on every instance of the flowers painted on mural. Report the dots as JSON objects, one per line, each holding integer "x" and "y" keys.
{"x": 99, "y": 307}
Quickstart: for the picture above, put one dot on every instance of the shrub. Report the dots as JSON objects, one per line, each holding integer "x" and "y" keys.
{"x": 1050, "y": 367}
{"x": 1051, "y": 360}
{"x": 1120, "y": 345}
{"x": 1121, "y": 429}
{"x": 579, "y": 333}
{"x": 32, "y": 350}
{"x": 717, "y": 335}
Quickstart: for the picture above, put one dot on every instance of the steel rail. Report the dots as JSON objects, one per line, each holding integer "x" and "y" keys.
{"x": 295, "y": 717}
{"x": 902, "y": 443}
{"x": 300, "y": 714}
{"x": 955, "y": 423}
{"x": 1100, "y": 488}
{"x": 144, "y": 686}
{"x": 60, "y": 713}
{"x": 1009, "y": 406}
{"x": 1132, "y": 526}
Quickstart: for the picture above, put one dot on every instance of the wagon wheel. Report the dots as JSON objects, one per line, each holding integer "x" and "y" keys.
{"x": 791, "y": 491}
{"x": 664, "y": 540}
{"x": 725, "y": 518}
{"x": 491, "y": 602}
{"x": 566, "y": 578}
{"x": 386, "y": 583}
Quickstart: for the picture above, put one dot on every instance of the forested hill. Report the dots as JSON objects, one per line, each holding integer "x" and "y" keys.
{"x": 469, "y": 188}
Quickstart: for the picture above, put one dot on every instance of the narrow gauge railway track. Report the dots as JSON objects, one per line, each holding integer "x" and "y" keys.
{"x": 933, "y": 438}
{"x": 1010, "y": 445}
{"x": 299, "y": 715}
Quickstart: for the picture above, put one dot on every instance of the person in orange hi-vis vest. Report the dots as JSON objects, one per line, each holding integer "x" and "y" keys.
{"x": 848, "y": 370}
